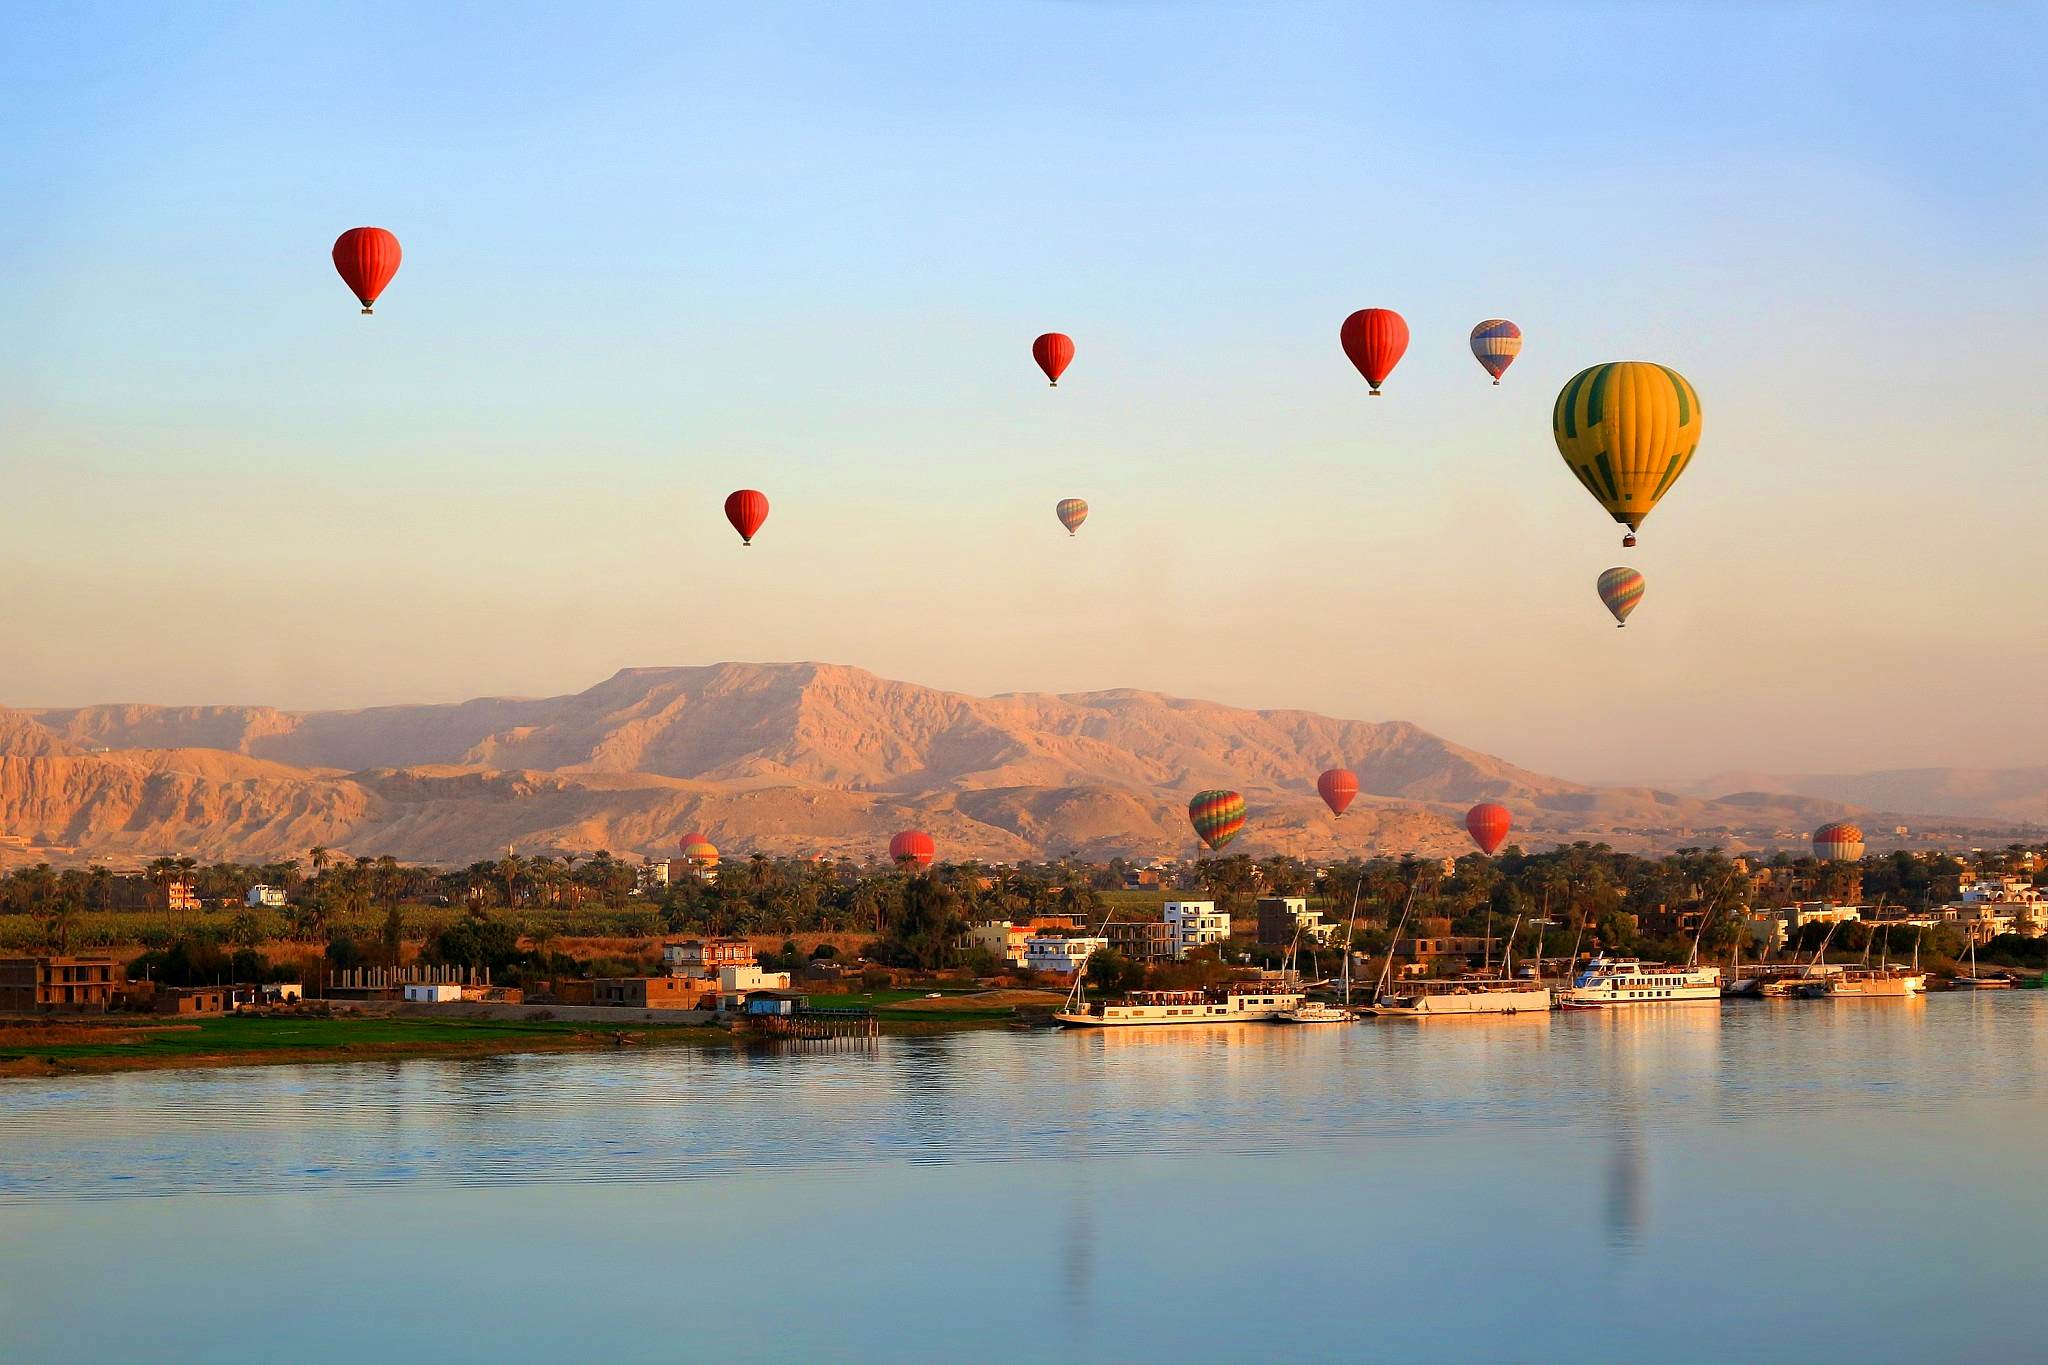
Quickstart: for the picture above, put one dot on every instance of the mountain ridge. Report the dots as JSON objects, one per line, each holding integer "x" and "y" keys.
{"x": 786, "y": 758}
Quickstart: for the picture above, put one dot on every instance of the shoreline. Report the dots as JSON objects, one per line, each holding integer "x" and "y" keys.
{"x": 52, "y": 1049}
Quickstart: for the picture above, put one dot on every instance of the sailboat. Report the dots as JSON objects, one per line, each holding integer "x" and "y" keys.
{"x": 1503, "y": 994}
{"x": 1317, "y": 1011}
{"x": 1974, "y": 982}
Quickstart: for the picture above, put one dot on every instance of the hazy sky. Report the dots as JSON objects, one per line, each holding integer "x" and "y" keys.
{"x": 656, "y": 253}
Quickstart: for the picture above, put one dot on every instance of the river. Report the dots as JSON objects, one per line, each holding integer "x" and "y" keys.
{"x": 1785, "y": 1179}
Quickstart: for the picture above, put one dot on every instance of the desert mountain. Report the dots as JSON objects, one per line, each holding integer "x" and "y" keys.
{"x": 2018, "y": 795}
{"x": 784, "y": 758}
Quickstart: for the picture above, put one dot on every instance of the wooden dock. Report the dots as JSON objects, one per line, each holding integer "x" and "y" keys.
{"x": 814, "y": 1025}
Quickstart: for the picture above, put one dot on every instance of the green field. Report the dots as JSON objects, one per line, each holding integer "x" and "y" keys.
{"x": 238, "y": 1035}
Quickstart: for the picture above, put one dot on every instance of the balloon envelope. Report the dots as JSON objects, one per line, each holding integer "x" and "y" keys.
{"x": 1838, "y": 840}
{"x": 1054, "y": 352}
{"x": 366, "y": 258}
{"x": 1488, "y": 824}
{"x": 1375, "y": 339}
{"x": 1495, "y": 344}
{"x": 1337, "y": 786}
{"x": 746, "y": 510}
{"x": 913, "y": 848}
{"x": 1217, "y": 815}
{"x": 1072, "y": 512}
{"x": 1621, "y": 589}
{"x": 1627, "y": 430}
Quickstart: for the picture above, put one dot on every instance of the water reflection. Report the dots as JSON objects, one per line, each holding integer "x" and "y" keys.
{"x": 1134, "y": 1194}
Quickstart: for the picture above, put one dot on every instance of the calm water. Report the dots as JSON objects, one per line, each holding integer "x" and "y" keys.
{"x": 1788, "y": 1181}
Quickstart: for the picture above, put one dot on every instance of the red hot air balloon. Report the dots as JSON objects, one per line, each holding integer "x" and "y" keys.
{"x": 367, "y": 258}
{"x": 746, "y": 510}
{"x": 1054, "y": 352}
{"x": 1337, "y": 787}
{"x": 913, "y": 848}
{"x": 1488, "y": 824}
{"x": 1375, "y": 339}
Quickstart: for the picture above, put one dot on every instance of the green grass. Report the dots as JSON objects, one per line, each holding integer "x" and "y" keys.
{"x": 233, "y": 1034}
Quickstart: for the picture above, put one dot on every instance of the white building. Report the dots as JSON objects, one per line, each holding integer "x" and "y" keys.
{"x": 1773, "y": 927}
{"x": 433, "y": 992}
{"x": 1196, "y": 924}
{"x": 1063, "y": 956}
{"x": 737, "y": 980}
{"x": 651, "y": 876}
{"x": 261, "y": 896}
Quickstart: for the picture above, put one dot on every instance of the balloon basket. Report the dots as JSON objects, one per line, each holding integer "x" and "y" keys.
{"x": 366, "y": 312}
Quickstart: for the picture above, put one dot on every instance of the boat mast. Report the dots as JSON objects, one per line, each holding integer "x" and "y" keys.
{"x": 1351, "y": 931}
{"x": 1387, "y": 972}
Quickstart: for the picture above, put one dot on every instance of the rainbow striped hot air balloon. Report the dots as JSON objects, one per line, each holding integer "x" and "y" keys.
{"x": 1621, "y": 589}
{"x": 1627, "y": 429}
{"x": 1217, "y": 815}
{"x": 1839, "y": 841}
{"x": 1495, "y": 344}
{"x": 1072, "y": 512}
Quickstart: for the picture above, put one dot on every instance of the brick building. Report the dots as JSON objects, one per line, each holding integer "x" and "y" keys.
{"x": 32, "y": 984}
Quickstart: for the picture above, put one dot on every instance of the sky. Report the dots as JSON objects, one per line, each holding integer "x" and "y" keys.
{"x": 656, "y": 253}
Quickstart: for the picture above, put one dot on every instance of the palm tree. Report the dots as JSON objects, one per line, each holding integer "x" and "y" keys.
{"x": 318, "y": 856}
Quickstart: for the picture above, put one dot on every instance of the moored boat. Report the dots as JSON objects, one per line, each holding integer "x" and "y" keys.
{"x": 1867, "y": 983}
{"x": 1435, "y": 999}
{"x": 1314, "y": 1012}
{"x": 1610, "y": 983}
{"x": 1238, "y": 1002}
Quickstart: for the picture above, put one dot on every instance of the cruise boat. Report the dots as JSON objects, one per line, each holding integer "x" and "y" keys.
{"x": 1238, "y": 1002}
{"x": 1609, "y": 983}
{"x": 1489, "y": 995}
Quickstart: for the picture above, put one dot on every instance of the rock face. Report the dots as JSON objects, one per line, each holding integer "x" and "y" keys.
{"x": 781, "y": 758}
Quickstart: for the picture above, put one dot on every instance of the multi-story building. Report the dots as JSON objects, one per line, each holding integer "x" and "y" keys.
{"x": 652, "y": 876}
{"x": 32, "y": 984}
{"x": 706, "y": 957}
{"x": 999, "y": 938}
{"x": 1196, "y": 924}
{"x": 1773, "y": 927}
{"x": 1281, "y": 918}
{"x": 179, "y": 895}
{"x": 1145, "y": 940}
{"x": 264, "y": 897}
{"x": 1062, "y": 956}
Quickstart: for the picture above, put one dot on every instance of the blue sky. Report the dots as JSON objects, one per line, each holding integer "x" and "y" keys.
{"x": 656, "y": 253}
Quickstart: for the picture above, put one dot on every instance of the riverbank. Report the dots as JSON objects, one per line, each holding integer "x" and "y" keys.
{"x": 74, "y": 1045}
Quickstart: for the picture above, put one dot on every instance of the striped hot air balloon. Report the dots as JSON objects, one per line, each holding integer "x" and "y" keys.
{"x": 1627, "y": 430}
{"x": 1495, "y": 344}
{"x": 1621, "y": 589}
{"x": 1375, "y": 339}
{"x": 1337, "y": 786}
{"x": 1488, "y": 824}
{"x": 1217, "y": 815}
{"x": 913, "y": 848}
{"x": 1838, "y": 841}
{"x": 1072, "y": 512}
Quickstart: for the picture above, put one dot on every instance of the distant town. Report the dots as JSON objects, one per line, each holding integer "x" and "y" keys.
{"x": 830, "y": 948}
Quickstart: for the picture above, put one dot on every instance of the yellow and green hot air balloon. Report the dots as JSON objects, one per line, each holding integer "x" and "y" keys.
{"x": 1628, "y": 429}
{"x": 1217, "y": 815}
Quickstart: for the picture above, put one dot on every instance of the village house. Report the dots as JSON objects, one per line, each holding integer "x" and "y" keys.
{"x": 1142, "y": 940}
{"x": 1196, "y": 924}
{"x": 654, "y": 992}
{"x": 706, "y": 957}
{"x": 32, "y": 984}
{"x": 1060, "y": 955}
{"x": 191, "y": 1000}
{"x": 1282, "y": 918}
